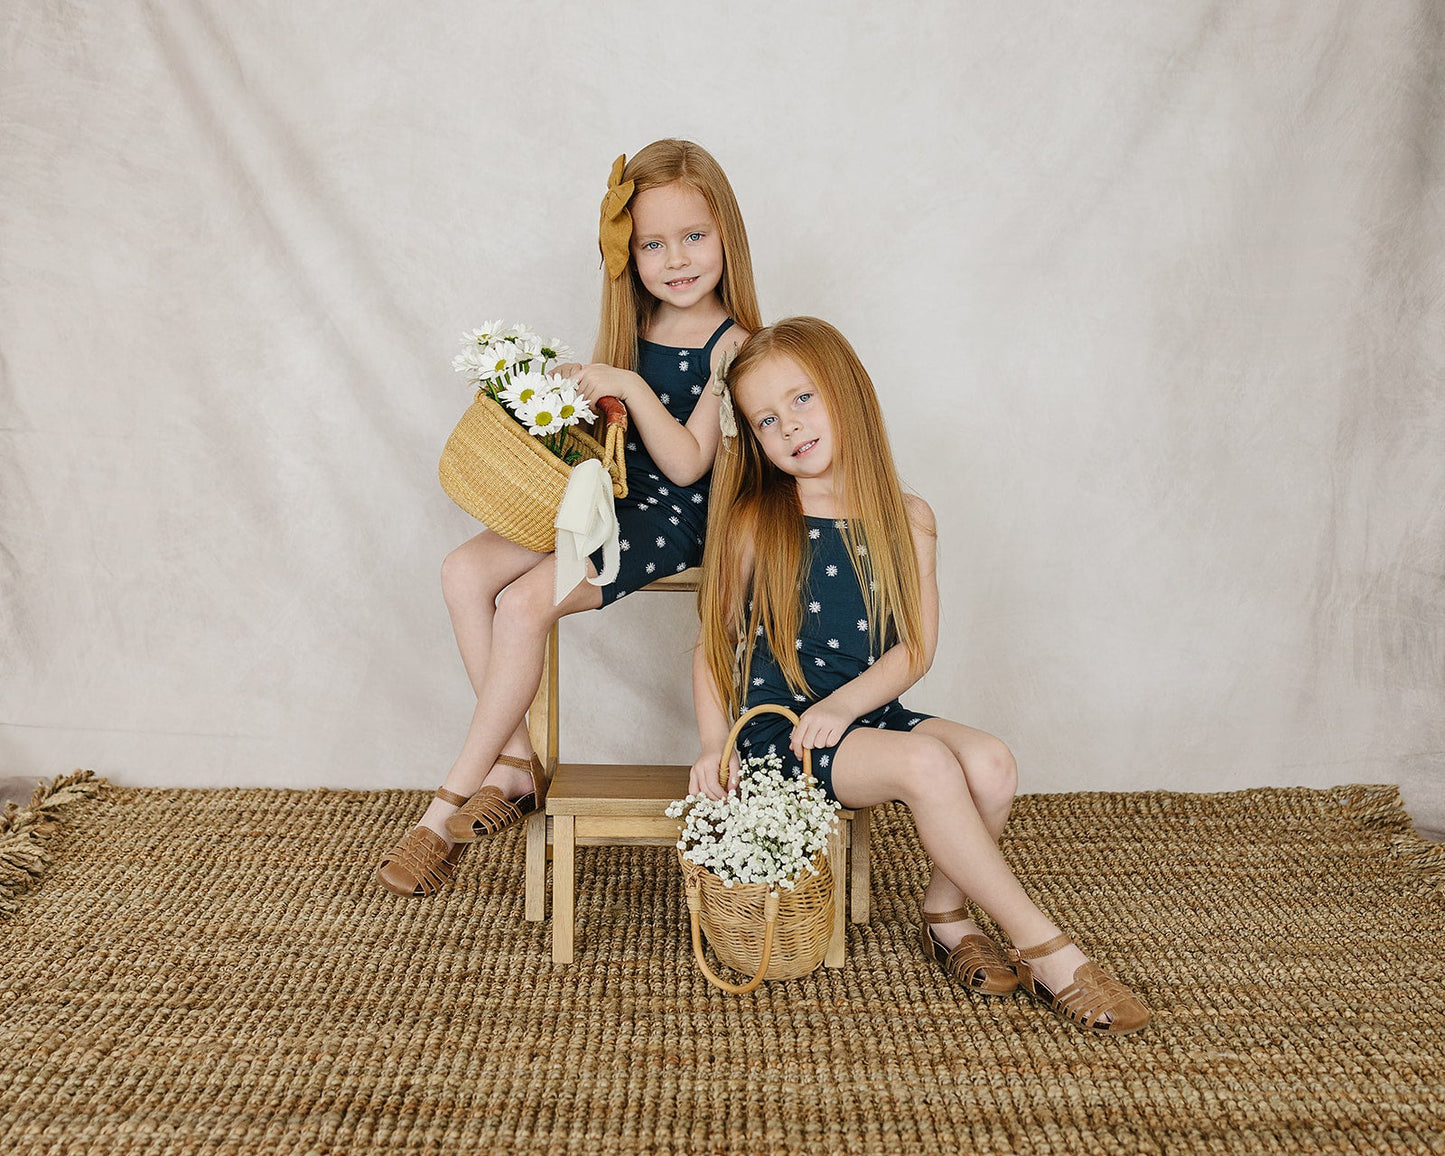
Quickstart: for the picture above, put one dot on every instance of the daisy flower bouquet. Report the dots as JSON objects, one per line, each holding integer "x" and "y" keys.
{"x": 513, "y": 366}
{"x": 755, "y": 868}
{"x": 510, "y": 459}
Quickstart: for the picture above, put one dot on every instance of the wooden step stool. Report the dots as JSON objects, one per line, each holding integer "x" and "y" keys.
{"x": 608, "y": 805}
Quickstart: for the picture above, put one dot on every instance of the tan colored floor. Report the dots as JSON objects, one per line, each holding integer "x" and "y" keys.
{"x": 1424, "y": 799}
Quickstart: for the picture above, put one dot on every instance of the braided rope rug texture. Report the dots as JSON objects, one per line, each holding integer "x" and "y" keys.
{"x": 216, "y": 972}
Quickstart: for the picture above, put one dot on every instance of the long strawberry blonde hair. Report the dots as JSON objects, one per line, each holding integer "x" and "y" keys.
{"x": 754, "y": 510}
{"x": 626, "y": 305}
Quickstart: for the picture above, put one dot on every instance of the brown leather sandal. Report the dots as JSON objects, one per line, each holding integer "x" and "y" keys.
{"x": 977, "y": 962}
{"x": 1093, "y": 995}
{"x": 422, "y": 862}
{"x": 490, "y": 811}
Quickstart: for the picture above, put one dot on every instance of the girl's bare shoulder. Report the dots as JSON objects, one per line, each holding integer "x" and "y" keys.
{"x": 920, "y": 513}
{"x": 729, "y": 342}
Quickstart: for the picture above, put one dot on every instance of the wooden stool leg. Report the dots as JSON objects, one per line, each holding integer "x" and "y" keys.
{"x": 859, "y": 865}
{"x": 564, "y": 885}
{"x": 837, "y": 856}
{"x": 536, "y": 903}
{"x": 543, "y": 723}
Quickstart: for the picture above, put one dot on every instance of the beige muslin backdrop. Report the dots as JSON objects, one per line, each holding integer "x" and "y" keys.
{"x": 1152, "y": 294}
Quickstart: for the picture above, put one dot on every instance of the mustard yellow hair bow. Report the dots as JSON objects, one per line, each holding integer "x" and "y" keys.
{"x": 614, "y": 232}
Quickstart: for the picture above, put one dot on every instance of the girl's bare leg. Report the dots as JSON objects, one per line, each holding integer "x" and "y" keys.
{"x": 991, "y": 773}
{"x": 874, "y": 766}
{"x": 500, "y": 598}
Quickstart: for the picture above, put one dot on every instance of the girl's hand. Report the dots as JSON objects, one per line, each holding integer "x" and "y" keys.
{"x": 603, "y": 380}
{"x": 704, "y": 775}
{"x": 821, "y": 725}
{"x": 571, "y": 369}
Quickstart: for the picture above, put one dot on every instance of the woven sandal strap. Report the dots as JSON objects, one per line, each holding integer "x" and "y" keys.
{"x": 1058, "y": 942}
{"x": 451, "y": 797}
{"x": 945, "y": 916}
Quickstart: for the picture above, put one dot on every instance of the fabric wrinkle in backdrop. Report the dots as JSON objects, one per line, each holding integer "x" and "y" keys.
{"x": 1153, "y": 297}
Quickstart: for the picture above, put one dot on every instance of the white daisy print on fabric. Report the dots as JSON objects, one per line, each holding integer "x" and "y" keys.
{"x": 819, "y": 662}
{"x": 822, "y": 760}
{"x": 862, "y": 550}
{"x": 651, "y": 566}
{"x": 913, "y": 722}
{"x": 814, "y": 533}
{"x": 681, "y": 566}
{"x": 833, "y": 642}
{"x": 831, "y": 571}
{"x": 697, "y": 389}
{"x": 673, "y": 519}
{"x": 682, "y": 365}
{"x": 815, "y": 607}
{"x": 665, "y": 399}
{"x": 839, "y": 524}
{"x": 758, "y": 681}
{"x": 863, "y": 625}
{"x": 661, "y": 541}
{"x": 760, "y": 626}
{"x": 870, "y": 660}
{"x": 624, "y": 544}
{"x": 797, "y": 644}
{"x": 662, "y": 490}
{"x": 697, "y": 498}
{"x": 799, "y": 698}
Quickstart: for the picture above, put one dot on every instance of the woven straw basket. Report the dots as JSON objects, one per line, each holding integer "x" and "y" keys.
{"x": 500, "y": 474}
{"x": 756, "y": 928}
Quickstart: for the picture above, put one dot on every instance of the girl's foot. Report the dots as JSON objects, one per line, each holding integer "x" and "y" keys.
{"x": 959, "y": 945}
{"x": 1088, "y": 996}
{"x": 423, "y": 861}
{"x": 492, "y": 809}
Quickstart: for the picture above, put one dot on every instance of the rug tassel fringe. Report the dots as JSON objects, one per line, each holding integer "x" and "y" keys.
{"x": 1379, "y": 805}
{"x": 25, "y": 830}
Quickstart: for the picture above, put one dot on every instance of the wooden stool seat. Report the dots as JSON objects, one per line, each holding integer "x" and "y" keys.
{"x": 618, "y": 804}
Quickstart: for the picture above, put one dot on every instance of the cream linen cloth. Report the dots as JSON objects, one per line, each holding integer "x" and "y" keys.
{"x": 585, "y": 520}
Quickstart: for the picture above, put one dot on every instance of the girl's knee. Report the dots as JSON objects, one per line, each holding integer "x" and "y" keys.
{"x": 993, "y": 772}
{"x": 528, "y": 600}
{"x": 468, "y": 572}
{"x": 930, "y": 769}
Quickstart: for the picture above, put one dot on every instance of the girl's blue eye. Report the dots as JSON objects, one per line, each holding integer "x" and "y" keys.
{"x": 694, "y": 236}
{"x": 651, "y": 244}
{"x": 767, "y": 421}
{"x": 802, "y": 399}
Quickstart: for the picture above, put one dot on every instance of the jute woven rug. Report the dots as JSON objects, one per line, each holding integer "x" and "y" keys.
{"x": 215, "y": 972}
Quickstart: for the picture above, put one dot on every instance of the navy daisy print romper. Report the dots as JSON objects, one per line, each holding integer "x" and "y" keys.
{"x": 833, "y": 649}
{"x": 660, "y": 525}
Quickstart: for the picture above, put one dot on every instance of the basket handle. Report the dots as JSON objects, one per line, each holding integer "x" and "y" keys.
{"x": 761, "y": 708}
{"x": 770, "y": 920}
{"x": 613, "y": 412}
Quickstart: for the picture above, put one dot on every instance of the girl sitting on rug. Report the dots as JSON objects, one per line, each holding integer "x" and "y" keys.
{"x": 678, "y": 288}
{"x": 823, "y": 569}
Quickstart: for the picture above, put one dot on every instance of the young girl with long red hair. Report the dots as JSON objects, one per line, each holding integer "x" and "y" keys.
{"x": 678, "y": 291}
{"x": 819, "y": 592}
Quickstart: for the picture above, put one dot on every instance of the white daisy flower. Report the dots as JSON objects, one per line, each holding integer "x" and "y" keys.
{"x": 862, "y": 550}
{"x": 815, "y": 607}
{"x": 863, "y": 625}
{"x": 870, "y": 660}
{"x": 673, "y": 519}
{"x": 541, "y": 414}
{"x": 758, "y": 681}
{"x": 651, "y": 566}
{"x": 913, "y": 722}
{"x": 814, "y": 533}
{"x": 661, "y": 541}
{"x": 799, "y": 698}
{"x": 831, "y": 571}
{"x": 839, "y": 523}
{"x": 819, "y": 662}
{"x": 797, "y": 644}
{"x": 664, "y": 399}
{"x": 833, "y": 642}
{"x": 682, "y": 365}
{"x": 697, "y": 389}
{"x": 662, "y": 490}
{"x": 822, "y": 760}
{"x": 697, "y": 498}
{"x": 632, "y": 446}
